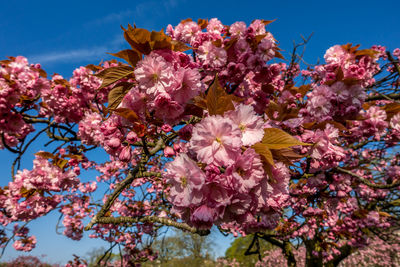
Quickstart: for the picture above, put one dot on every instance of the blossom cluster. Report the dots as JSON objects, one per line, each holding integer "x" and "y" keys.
{"x": 337, "y": 101}
{"x": 238, "y": 53}
{"x": 229, "y": 183}
{"x": 38, "y": 188}
{"x": 166, "y": 80}
{"x": 68, "y": 101}
{"x": 20, "y": 86}
{"x": 344, "y": 60}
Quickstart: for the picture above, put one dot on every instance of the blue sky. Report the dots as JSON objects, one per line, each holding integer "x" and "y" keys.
{"x": 63, "y": 35}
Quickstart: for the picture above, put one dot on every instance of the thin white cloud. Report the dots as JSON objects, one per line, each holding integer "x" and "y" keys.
{"x": 80, "y": 54}
{"x": 110, "y": 18}
{"x": 97, "y": 53}
{"x": 145, "y": 9}
{"x": 69, "y": 56}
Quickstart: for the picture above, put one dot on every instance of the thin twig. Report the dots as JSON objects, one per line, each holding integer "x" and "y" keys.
{"x": 368, "y": 183}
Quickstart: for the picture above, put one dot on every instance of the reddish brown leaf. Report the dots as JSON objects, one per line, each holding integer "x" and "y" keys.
{"x": 367, "y": 52}
{"x": 203, "y": 23}
{"x": 116, "y": 95}
{"x": 139, "y": 129}
{"x": 266, "y": 22}
{"x": 186, "y": 20}
{"x": 114, "y": 74}
{"x": 127, "y": 114}
{"x": 73, "y": 156}
{"x": 264, "y": 152}
{"x": 276, "y": 139}
{"x": 192, "y": 109}
{"x": 286, "y": 155}
{"x": 62, "y": 82}
{"x": 139, "y": 39}
{"x": 218, "y": 101}
{"x": 391, "y": 109}
{"x": 59, "y": 162}
{"x": 279, "y": 55}
{"x": 159, "y": 40}
{"x": 93, "y": 67}
{"x": 304, "y": 89}
{"x": 129, "y": 55}
{"x": 260, "y": 37}
{"x": 336, "y": 124}
{"x": 179, "y": 46}
{"x": 268, "y": 88}
{"x": 44, "y": 154}
{"x": 42, "y": 73}
{"x": 309, "y": 125}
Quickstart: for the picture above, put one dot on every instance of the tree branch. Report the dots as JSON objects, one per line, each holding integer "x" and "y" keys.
{"x": 393, "y": 61}
{"x": 383, "y": 97}
{"x": 368, "y": 183}
{"x": 135, "y": 172}
{"x": 154, "y": 219}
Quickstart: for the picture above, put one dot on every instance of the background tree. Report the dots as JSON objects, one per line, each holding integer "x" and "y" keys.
{"x": 183, "y": 249}
{"x": 27, "y": 261}
{"x": 240, "y": 250}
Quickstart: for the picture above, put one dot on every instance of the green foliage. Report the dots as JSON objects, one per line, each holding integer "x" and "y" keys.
{"x": 183, "y": 249}
{"x": 97, "y": 254}
{"x": 240, "y": 245}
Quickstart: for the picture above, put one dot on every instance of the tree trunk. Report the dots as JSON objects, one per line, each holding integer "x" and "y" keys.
{"x": 311, "y": 259}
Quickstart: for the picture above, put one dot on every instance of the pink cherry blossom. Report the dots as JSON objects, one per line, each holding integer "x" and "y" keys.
{"x": 216, "y": 139}
{"x": 248, "y": 122}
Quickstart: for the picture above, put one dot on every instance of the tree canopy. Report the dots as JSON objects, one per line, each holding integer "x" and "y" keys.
{"x": 208, "y": 125}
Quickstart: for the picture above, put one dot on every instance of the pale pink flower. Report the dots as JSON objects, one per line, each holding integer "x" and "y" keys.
{"x": 336, "y": 54}
{"x": 238, "y": 29}
{"x": 325, "y": 147}
{"x": 395, "y": 122}
{"x": 248, "y": 122}
{"x": 375, "y": 115}
{"x": 154, "y": 74}
{"x": 215, "y": 26}
{"x": 211, "y": 55}
{"x": 186, "y": 179}
{"x": 188, "y": 85}
{"x": 126, "y": 154}
{"x": 135, "y": 100}
{"x": 396, "y": 52}
{"x": 247, "y": 171}
{"x": 265, "y": 49}
{"x": 186, "y": 32}
{"x": 319, "y": 103}
{"x": 169, "y": 151}
{"x": 166, "y": 107}
{"x": 279, "y": 183}
{"x": 203, "y": 217}
{"x": 258, "y": 27}
{"x": 89, "y": 129}
{"x": 25, "y": 244}
{"x": 216, "y": 139}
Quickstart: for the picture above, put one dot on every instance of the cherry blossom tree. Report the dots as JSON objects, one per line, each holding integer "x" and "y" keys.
{"x": 208, "y": 125}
